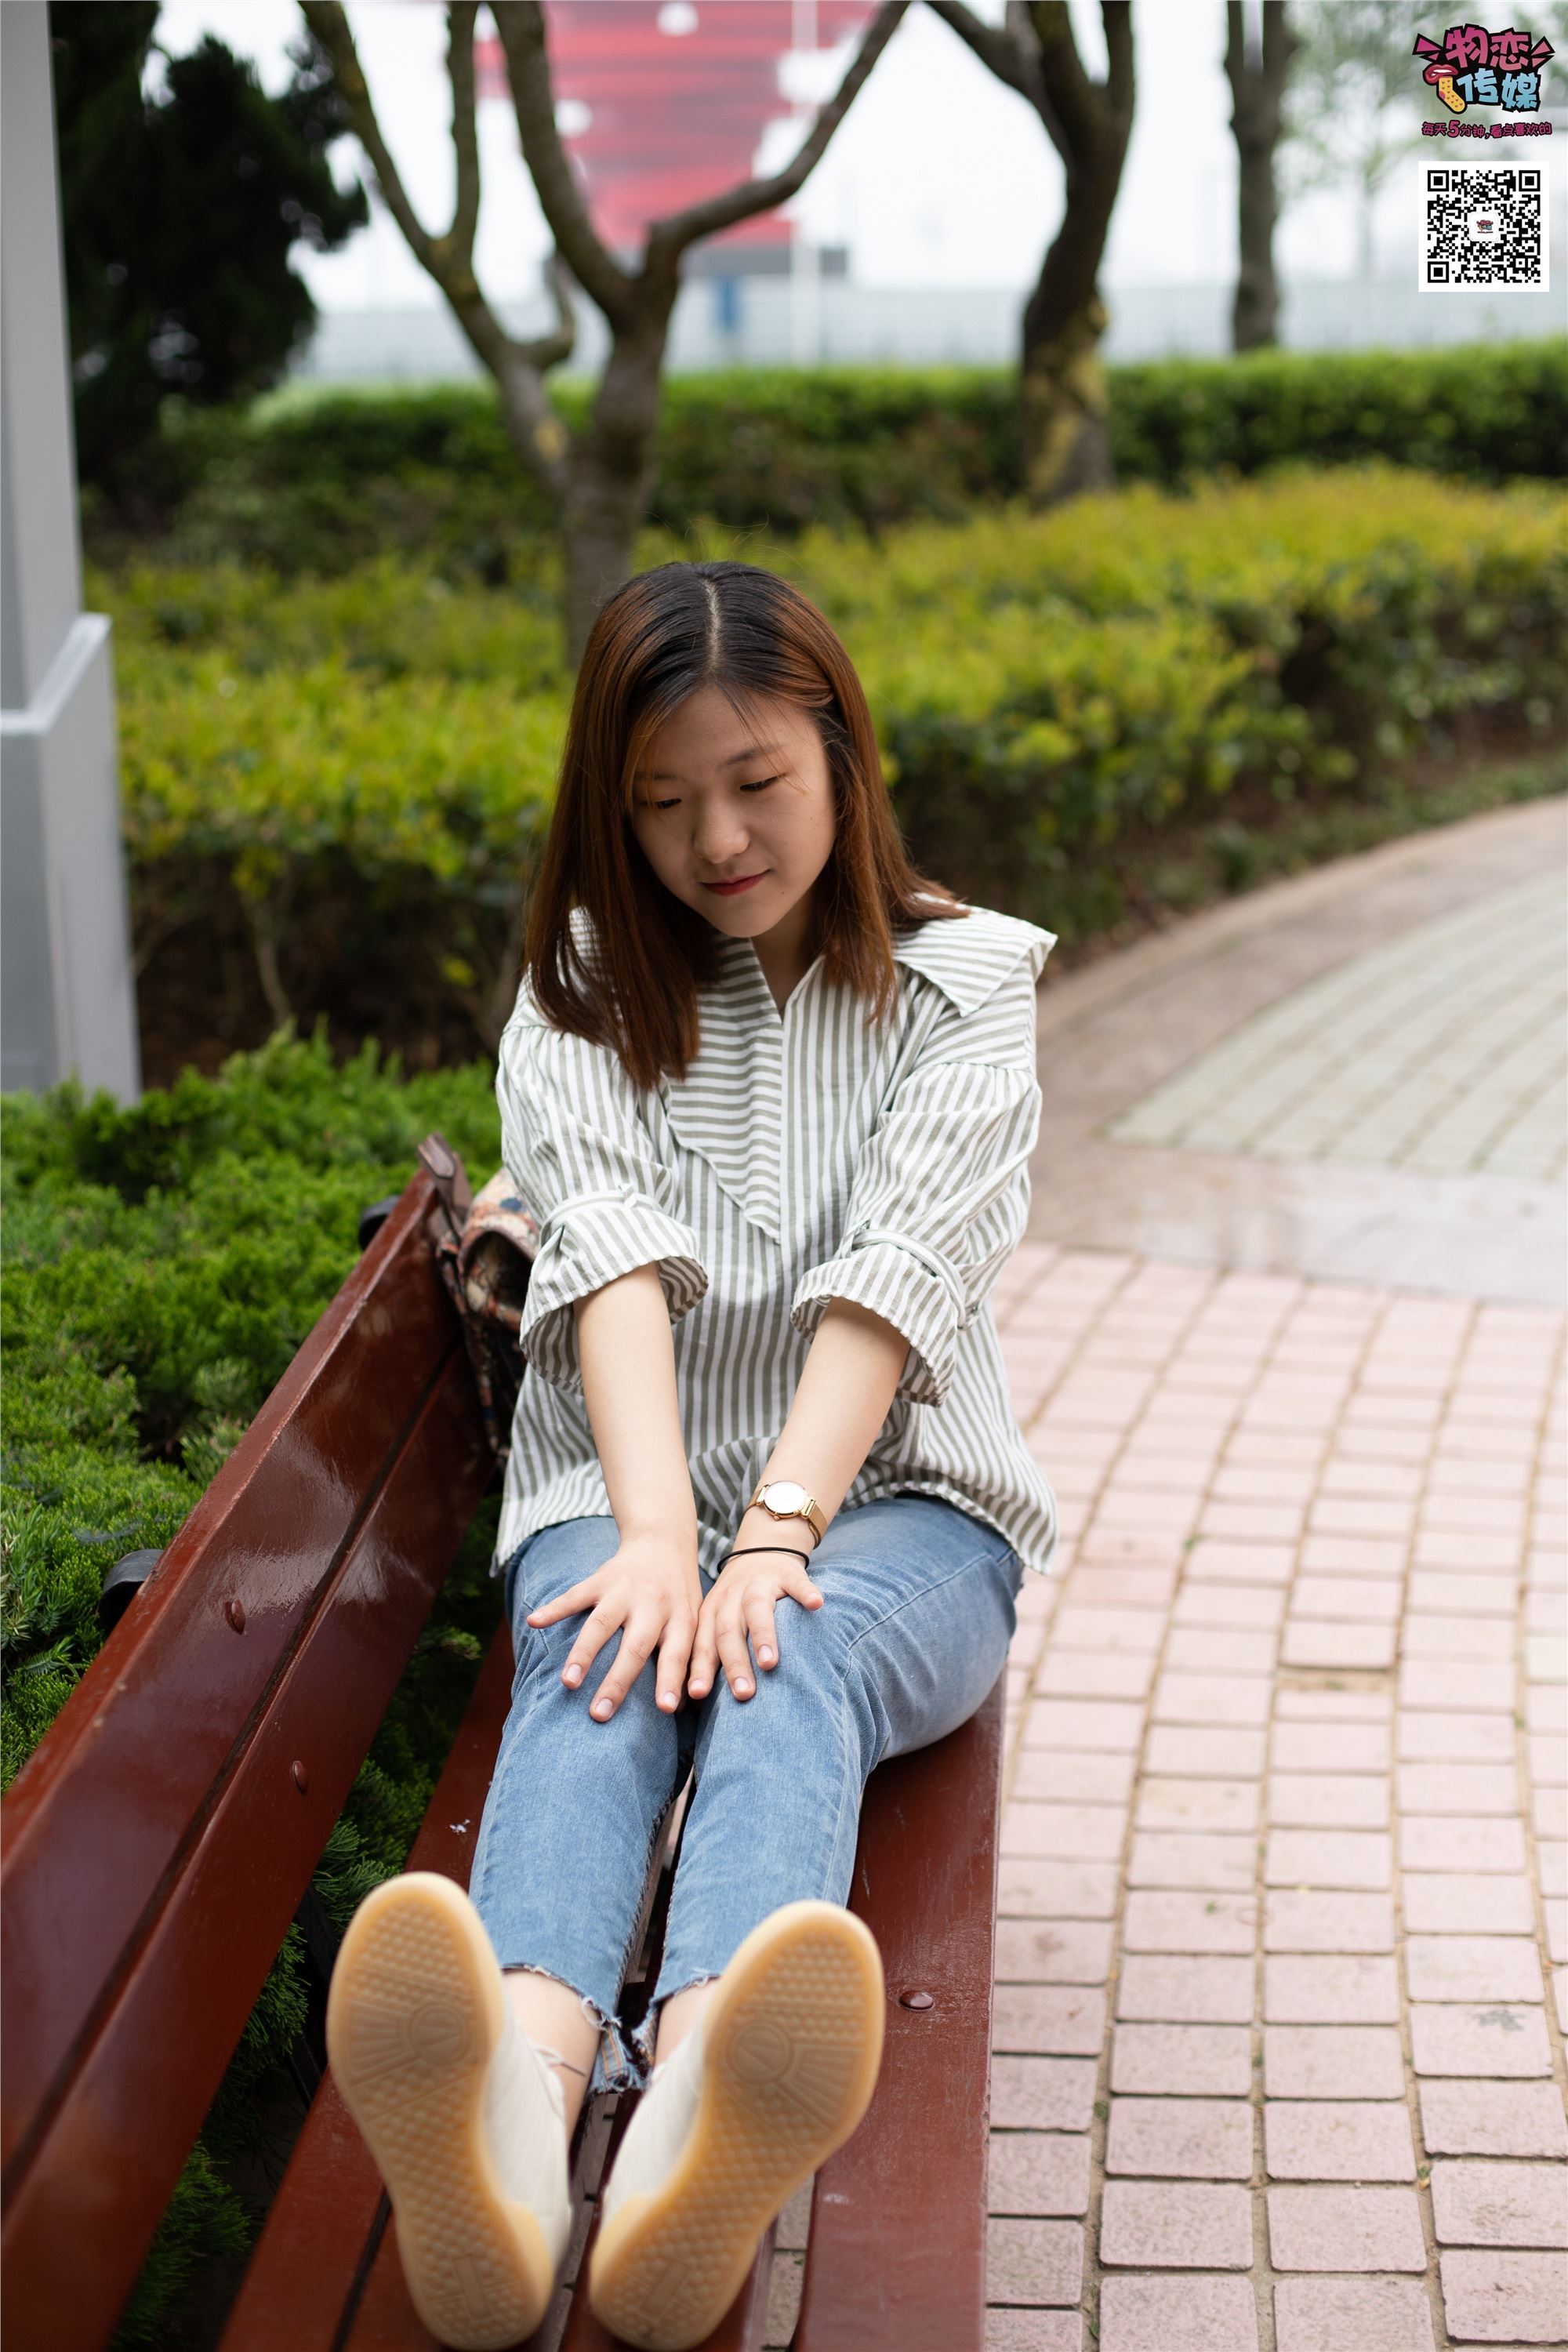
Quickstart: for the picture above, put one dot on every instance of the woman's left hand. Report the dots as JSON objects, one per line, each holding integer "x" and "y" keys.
{"x": 741, "y": 1603}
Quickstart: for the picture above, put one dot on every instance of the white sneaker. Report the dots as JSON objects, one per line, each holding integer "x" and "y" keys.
{"x": 777, "y": 2073}
{"x": 465, "y": 2119}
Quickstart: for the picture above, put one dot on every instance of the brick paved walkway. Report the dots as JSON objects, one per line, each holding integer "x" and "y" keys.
{"x": 1350, "y": 1073}
{"x": 1295, "y": 1705}
{"x": 1444, "y": 1050}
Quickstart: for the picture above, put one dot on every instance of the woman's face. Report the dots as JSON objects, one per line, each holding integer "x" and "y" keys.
{"x": 722, "y": 799}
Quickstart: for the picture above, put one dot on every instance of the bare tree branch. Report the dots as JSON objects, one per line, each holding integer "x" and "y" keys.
{"x": 1117, "y": 17}
{"x": 521, "y": 23}
{"x": 459, "y": 238}
{"x": 1062, "y": 69}
{"x": 539, "y": 436}
{"x": 669, "y": 237}
{"x": 996, "y": 45}
{"x": 550, "y": 351}
{"x": 1013, "y": 54}
{"x": 329, "y": 22}
{"x": 1235, "y": 41}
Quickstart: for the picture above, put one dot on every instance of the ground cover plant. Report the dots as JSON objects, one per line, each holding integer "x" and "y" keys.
{"x": 161, "y": 1267}
{"x": 335, "y": 788}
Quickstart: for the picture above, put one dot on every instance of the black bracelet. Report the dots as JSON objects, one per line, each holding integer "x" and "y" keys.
{"x": 750, "y": 1548}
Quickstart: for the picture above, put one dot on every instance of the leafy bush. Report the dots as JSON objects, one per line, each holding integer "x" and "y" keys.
{"x": 161, "y": 1267}
{"x": 355, "y": 775}
{"x": 1494, "y": 410}
{"x": 324, "y": 479}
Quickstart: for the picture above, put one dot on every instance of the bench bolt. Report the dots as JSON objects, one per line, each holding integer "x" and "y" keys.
{"x": 234, "y": 1611}
{"x": 298, "y": 1775}
{"x": 916, "y": 2000}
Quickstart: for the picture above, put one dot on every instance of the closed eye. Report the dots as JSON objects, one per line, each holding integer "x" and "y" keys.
{"x": 760, "y": 786}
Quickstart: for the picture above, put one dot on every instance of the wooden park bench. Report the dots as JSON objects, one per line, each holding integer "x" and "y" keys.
{"x": 166, "y": 1830}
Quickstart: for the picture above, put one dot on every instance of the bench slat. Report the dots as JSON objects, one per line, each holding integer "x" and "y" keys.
{"x": 105, "y": 2144}
{"x": 897, "y": 2256}
{"x": 102, "y": 1811}
{"x": 743, "y": 2327}
{"x": 298, "y": 2285}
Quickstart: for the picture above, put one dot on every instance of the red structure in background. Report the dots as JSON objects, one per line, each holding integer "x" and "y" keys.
{"x": 673, "y": 116}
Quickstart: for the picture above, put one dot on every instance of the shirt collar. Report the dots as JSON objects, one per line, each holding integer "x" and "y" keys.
{"x": 969, "y": 956}
{"x": 966, "y": 956}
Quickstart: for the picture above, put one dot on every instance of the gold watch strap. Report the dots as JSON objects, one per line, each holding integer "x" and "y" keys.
{"x": 810, "y": 1513}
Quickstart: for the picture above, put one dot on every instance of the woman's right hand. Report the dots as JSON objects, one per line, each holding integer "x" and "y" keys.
{"x": 651, "y": 1591}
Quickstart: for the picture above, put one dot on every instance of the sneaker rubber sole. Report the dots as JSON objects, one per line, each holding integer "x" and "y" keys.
{"x": 792, "y": 2040}
{"x": 415, "y": 2011}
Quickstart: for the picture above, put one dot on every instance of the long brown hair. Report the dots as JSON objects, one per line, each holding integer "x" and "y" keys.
{"x": 658, "y": 639}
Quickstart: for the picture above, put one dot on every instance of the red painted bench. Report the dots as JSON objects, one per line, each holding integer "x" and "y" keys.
{"x": 165, "y": 1830}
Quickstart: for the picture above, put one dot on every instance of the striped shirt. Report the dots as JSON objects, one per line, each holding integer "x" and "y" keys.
{"x": 805, "y": 1156}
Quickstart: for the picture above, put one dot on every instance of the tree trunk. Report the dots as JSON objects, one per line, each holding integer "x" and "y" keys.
{"x": 1067, "y": 436}
{"x": 613, "y": 466}
{"x": 1255, "y": 319}
{"x": 1063, "y": 420}
{"x": 1065, "y": 430}
{"x": 1258, "y": 89}
{"x": 616, "y": 461}
{"x": 599, "y": 525}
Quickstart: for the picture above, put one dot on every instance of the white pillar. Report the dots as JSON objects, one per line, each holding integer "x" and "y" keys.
{"x": 66, "y": 997}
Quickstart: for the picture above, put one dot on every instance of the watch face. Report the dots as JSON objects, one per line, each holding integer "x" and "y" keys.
{"x": 784, "y": 1495}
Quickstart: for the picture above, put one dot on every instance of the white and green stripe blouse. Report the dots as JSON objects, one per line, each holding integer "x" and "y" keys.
{"x": 805, "y": 1156}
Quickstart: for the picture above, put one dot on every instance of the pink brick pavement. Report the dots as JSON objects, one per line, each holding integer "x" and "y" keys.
{"x": 1281, "y": 1952}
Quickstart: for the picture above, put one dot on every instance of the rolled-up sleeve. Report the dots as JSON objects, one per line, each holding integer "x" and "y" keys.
{"x": 584, "y": 1165}
{"x": 941, "y": 1195}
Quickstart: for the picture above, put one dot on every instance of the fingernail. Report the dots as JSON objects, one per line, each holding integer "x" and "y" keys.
{"x": 742, "y": 1690}
{"x": 573, "y": 1674}
{"x": 765, "y": 1658}
{"x": 667, "y": 1698}
{"x": 601, "y": 1707}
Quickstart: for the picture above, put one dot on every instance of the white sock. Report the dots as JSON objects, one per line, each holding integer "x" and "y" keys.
{"x": 662, "y": 2126}
{"x": 525, "y": 2122}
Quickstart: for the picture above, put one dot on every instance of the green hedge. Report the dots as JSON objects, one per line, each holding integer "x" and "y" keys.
{"x": 322, "y": 479}
{"x": 161, "y": 1266}
{"x": 353, "y": 776}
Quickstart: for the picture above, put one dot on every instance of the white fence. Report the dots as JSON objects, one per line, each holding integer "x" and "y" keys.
{"x": 764, "y": 321}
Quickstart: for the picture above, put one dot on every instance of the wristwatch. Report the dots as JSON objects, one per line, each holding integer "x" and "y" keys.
{"x": 786, "y": 1498}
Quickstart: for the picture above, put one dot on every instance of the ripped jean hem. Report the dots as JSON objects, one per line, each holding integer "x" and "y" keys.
{"x": 645, "y": 2036}
{"x": 617, "y": 2062}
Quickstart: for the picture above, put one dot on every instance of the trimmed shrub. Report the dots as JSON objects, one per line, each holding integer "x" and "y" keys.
{"x": 353, "y": 776}
{"x": 161, "y": 1267}
{"x": 323, "y": 479}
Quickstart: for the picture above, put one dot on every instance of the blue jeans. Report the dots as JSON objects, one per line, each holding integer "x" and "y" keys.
{"x": 916, "y": 1616}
